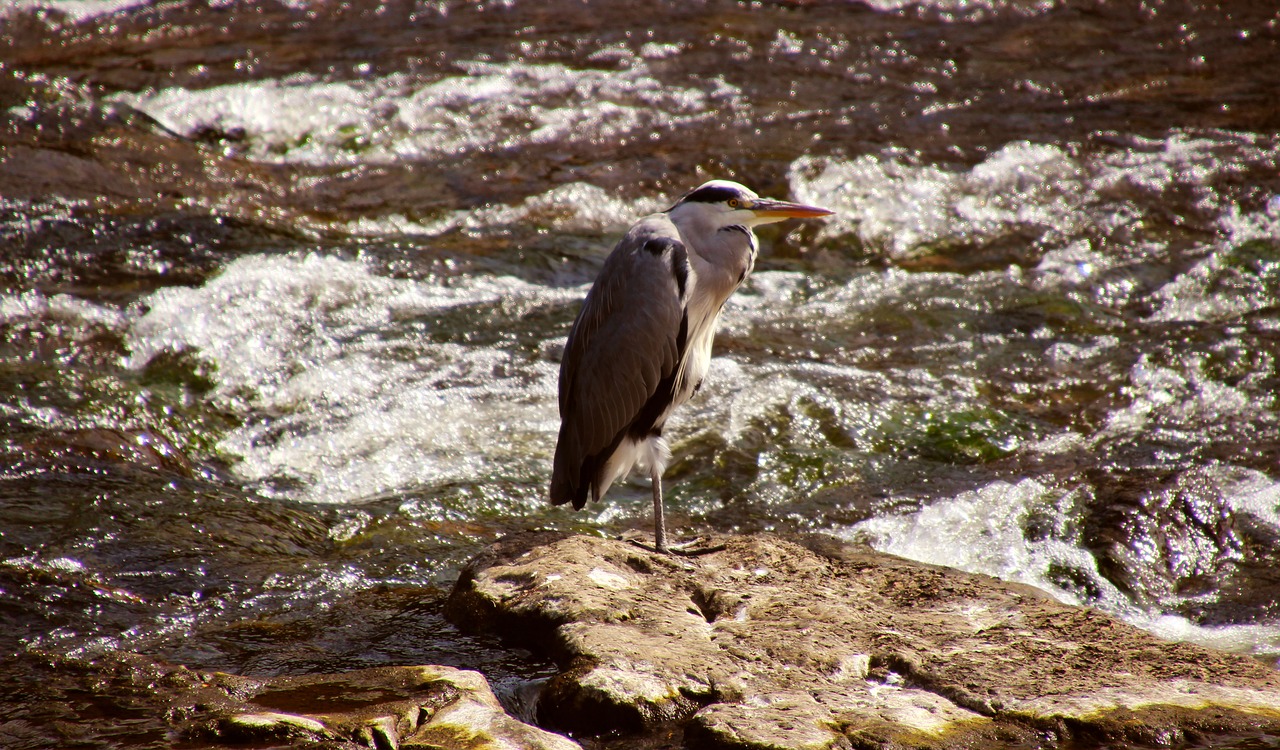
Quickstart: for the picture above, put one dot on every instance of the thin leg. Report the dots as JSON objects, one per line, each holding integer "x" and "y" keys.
{"x": 660, "y": 529}
{"x": 659, "y": 524}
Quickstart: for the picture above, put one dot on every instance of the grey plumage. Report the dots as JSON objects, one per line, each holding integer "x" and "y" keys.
{"x": 641, "y": 344}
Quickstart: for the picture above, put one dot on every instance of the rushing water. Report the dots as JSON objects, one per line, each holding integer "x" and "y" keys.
{"x": 284, "y": 285}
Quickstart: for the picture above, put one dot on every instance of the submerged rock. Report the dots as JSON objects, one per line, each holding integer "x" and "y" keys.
{"x": 128, "y": 700}
{"x": 811, "y": 643}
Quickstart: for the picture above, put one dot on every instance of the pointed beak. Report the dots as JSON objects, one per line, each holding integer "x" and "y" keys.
{"x": 768, "y": 209}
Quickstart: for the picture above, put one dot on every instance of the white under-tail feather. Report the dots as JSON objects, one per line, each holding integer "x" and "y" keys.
{"x": 648, "y": 455}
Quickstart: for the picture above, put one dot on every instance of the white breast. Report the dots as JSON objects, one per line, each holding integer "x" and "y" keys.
{"x": 719, "y": 260}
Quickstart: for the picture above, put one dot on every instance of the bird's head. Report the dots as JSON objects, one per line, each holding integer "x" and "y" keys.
{"x": 727, "y": 203}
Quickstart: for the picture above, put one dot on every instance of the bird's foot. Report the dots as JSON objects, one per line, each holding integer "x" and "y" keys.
{"x": 695, "y": 547}
{"x": 692, "y": 548}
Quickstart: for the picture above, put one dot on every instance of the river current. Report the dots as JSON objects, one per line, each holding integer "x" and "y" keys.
{"x": 284, "y": 286}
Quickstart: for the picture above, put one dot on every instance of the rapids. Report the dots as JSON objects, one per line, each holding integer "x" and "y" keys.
{"x": 283, "y": 288}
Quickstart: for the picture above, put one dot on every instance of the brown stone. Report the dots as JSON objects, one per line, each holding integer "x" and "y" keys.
{"x": 814, "y": 644}
{"x": 406, "y": 707}
{"x": 429, "y": 707}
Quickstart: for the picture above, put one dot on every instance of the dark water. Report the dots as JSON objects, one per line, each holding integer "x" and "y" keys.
{"x": 282, "y": 288}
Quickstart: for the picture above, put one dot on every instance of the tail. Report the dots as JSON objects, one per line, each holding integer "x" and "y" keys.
{"x": 570, "y": 477}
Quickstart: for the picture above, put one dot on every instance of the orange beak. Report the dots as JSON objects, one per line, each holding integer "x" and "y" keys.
{"x": 766, "y": 208}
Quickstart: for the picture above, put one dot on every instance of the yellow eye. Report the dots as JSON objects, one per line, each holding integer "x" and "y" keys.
{"x": 734, "y": 203}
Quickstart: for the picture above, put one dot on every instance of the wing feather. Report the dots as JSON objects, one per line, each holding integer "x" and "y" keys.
{"x": 624, "y": 346}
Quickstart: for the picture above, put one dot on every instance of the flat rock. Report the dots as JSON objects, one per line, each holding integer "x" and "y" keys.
{"x": 427, "y": 707}
{"x": 811, "y": 643}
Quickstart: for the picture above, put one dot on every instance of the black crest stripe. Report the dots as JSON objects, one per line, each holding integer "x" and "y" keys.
{"x": 713, "y": 194}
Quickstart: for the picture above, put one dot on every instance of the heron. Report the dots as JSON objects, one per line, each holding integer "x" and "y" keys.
{"x": 641, "y": 344}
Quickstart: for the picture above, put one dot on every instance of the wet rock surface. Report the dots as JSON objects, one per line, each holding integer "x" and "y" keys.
{"x": 128, "y": 700}
{"x": 811, "y": 643}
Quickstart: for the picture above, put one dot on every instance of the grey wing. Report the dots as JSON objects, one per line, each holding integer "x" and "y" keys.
{"x": 622, "y": 353}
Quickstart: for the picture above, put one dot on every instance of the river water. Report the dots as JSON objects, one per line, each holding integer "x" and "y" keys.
{"x": 283, "y": 288}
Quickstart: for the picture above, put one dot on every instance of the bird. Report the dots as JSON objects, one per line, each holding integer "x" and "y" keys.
{"x": 641, "y": 343}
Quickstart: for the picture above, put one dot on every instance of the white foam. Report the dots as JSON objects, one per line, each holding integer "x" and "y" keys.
{"x": 982, "y": 531}
{"x": 577, "y": 207}
{"x": 985, "y": 531}
{"x": 1256, "y": 640}
{"x": 1243, "y": 226}
{"x": 1073, "y": 265}
{"x": 1200, "y": 295}
{"x": 76, "y": 10}
{"x": 966, "y": 9}
{"x": 573, "y": 208}
{"x": 1218, "y": 288}
{"x": 1183, "y": 160}
{"x": 1255, "y": 494}
{"x": 301, "y": 119}
{"x": 18, "y": 307}
{"x": 360, "y": 400}
{"x": 892, "y": 203}
{"x": 76, "y": 318}
{"x": 1167, "y": 399}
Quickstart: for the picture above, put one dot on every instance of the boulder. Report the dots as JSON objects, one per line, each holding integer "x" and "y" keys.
{"x": 129, "y": 700}
{"x": 430, "y": 707}
{"x": 811, "y": 643}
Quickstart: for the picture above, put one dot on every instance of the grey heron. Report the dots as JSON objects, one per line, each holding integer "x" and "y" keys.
{"x": 641, "y": 344}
